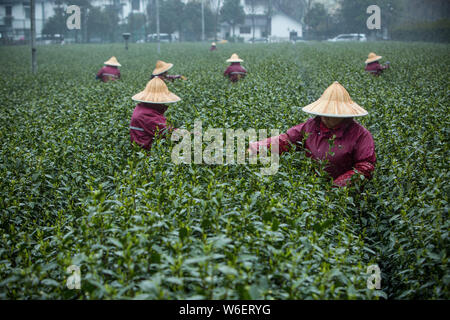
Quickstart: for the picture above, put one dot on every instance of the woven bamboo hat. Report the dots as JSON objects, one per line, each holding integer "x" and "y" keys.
{"x": 156, "y": 92}
{"x": 213, "y": 44}
{"x": 161, "y": 67}
{"x": 335, "y": 102}
{"x": 112, "y": 62}
{"x": 372, "y": 58}
{"x": 234, "y": 58}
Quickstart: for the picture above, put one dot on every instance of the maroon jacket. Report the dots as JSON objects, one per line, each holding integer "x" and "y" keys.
{"x": 235, "y": 71}
{"x": 353, "y": 149}
{"x": 148, "y": 120}
{"x": 375, "y": 68}
{"x": 213, "y": 48}
{"x": 108, "y": 73}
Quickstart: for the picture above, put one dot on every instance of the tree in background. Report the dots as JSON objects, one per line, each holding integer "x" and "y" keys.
{"x": 215, "y": 7}
{"x": 84, "y": 5}
{"x": 269, "y": 12}
{"x": 353, "y": 15}
{"x": 294, "y": 8}
{"x": 192, "y": 21}
{"x": 171, "y": 13}
{"x": 56, "y": 24}
{"x": 316, "y": 19}
{"x": 136, "y": 26}
{"x": 233, "y": 13}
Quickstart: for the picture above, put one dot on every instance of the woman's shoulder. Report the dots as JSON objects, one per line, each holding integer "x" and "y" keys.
{"x": 359, "y": 130}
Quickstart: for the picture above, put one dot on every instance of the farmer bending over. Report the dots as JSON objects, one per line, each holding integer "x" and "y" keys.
{"x": 161, "y": 72}
{"x": 373, "y": 66}
{"x": 110, "y": 71}
{"x": 148, "y": 116}
{"x": 235, "y": 71}
{"x": 213, "y": 47}
{"x": 353, "y": 149}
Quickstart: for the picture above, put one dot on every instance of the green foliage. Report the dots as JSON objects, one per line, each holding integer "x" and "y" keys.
{"x": 73, "y": 190}
{"x": 436, "y": 31}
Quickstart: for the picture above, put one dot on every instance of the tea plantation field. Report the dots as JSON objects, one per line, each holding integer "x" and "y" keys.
{"x": 74, "y": 192}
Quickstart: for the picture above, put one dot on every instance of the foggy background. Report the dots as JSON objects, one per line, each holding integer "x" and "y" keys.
{"x": 104, "y": 21}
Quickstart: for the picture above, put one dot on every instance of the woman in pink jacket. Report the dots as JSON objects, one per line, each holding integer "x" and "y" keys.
{"x": 148, "y": 118}
{"x": 373, "y": 66}
{"x": 161, "y": 70}
{"x": 354, "y": 148}
{"x": 110, "y": 72}
{"x": 235, "y": 71}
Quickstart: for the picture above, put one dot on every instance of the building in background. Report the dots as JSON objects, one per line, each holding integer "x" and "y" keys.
{"x": 262, "y": 24}
{"x": 15, "y": 18}
{"x": 15, "y": 15}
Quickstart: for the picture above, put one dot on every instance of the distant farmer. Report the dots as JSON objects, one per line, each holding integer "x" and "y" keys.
{"x": 161, "y": 72}
{"x": 213, "y": 47}
{"x": 353, "y": 149}
{"x": 110, "y": 71}
{"x": 373, "y": 66}
{"x": 148, "y": 116}
{"x": 235, "y": 71}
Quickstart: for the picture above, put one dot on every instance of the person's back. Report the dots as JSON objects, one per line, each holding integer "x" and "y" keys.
{"x": 148, "y": 118}
{"x": 110, "y": 72}
{"x": 373, "y": 65}
{"x": 235, "y": 71}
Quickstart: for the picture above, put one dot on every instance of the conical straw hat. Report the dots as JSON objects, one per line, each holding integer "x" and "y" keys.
{"x": 112, "y": 62}
{"x": 234, "y": 58}
{"x": 213, "y": 44}
{"x": 161, "y": 67}
{"x": 335, "y": 102}
{"x": 157, "y": 92}
{"x": 373, "y": 57}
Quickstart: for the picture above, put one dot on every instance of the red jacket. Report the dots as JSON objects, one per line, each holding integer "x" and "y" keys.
{"x": 235, "y": 71}
{"x": 354, "y": 148}
{"x": 147, "y": 120}
{"x": 375, "y": 68}
{"x": 108, "y": 73}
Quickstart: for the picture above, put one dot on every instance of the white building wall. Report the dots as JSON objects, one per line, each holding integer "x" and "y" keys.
{"x": 282, "y": 25}
{"x": 248, "y": 36}
{"x": 43, "y": 11}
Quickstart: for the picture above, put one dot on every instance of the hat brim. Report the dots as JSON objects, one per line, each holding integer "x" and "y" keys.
{"x": 237, "y": 60}
{"x": 336, "y": 115}
{"x": 361, "y": 112}
{"x": 171, "y": 98}
{"x": 373, "y": 59}
{"x": 106, "y": 63}
{"x": 157, "y": 71}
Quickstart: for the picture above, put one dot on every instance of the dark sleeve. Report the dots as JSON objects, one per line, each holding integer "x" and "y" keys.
{"x": 364, "y": 159}
{"x": 296, "y": 133}
{"x": 99, "y": 73}
{"x": 284, "y": 140}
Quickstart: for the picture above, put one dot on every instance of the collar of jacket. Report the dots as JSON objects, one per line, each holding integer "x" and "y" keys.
{"x": 160, "y": 108}
{"x": 339, "y": 131}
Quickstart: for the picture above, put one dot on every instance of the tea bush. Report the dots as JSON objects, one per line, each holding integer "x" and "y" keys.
{"x": 74, "y": 192}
